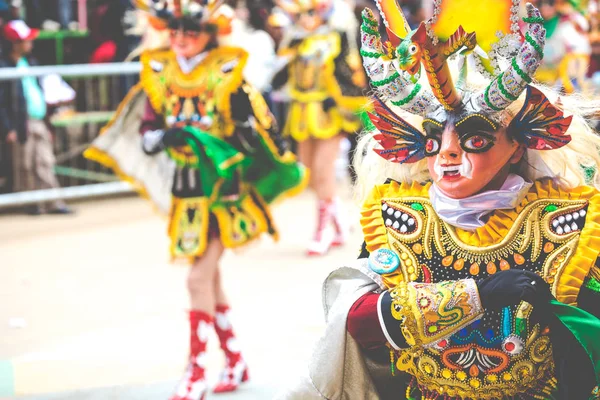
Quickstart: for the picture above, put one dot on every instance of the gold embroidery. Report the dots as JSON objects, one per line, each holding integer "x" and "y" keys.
{"x": 205, "y": 91}
{"x": 531, "y": 232}
{"x": 545, "y": 235}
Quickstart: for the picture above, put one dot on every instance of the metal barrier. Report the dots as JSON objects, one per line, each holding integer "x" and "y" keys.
{"x": 99, "y": 88}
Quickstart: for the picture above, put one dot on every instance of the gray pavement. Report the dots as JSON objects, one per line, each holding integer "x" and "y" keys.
{"x": 92, "y": 309}
{"x": 157, "y": 391}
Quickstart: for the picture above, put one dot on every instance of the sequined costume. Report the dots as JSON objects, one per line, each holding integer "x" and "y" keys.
{"x": 418, "y": 331}
{"x": 414, "y": 318}
{"x": 235, "y": 163}
{"x": 322, "y": 69}
{"x": 464, "y": 352}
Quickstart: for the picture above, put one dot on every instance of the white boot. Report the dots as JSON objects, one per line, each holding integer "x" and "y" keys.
{"x": 323, "y": 239}
{"x": 340, "y": 223}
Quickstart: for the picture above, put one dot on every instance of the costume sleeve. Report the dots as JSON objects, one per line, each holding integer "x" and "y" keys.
{"x": 421, "y": 314}
{"x": 254, "y": 120}
{"x": 572, "y": 363}
{"x": 589, "y": 295}
{"x": 282, "y": 76}
{"x": 363, "y": 322}
{"x": 151, "y": 120}
{"x": 350, "y": 77}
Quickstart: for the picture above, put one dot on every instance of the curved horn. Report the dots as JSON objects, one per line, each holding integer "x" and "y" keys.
{"x": 384, "y": 77}
{"x": 509, "y": 85}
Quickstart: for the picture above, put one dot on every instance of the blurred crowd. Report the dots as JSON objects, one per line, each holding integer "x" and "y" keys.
{"x": 111, "y": 30}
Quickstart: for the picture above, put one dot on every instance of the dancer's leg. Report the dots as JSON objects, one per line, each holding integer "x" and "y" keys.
{"x": 235, "y": 371}
{"x": 203, "y": 302}
{"x": 306, "y": 154}
{"x": 325, "y": 154}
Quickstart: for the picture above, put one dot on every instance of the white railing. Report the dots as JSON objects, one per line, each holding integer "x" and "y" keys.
{"x": 69, "y": 71}
{"x": 72, "y": 71}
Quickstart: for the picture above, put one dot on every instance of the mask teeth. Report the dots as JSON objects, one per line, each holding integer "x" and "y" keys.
{"x": 466, "y": 168}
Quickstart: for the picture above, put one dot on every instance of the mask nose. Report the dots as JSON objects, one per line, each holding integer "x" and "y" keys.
{"x": 450, "y": 149}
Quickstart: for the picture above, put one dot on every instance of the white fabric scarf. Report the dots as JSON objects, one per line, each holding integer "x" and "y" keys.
{"x": 469, "y": 213}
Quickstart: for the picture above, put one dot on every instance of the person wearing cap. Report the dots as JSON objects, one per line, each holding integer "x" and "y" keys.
{"x": 22, "y": 113}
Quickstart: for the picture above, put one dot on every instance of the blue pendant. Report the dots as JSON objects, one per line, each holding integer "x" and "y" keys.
{"x": 383, "y": 261}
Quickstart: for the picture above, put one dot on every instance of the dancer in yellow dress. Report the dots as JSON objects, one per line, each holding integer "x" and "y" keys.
{"x": 199, "y": 141}
{"x": 326, "y": 88}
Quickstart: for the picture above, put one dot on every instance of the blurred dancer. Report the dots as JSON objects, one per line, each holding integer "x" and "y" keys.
{"x": 325, "y": 84}
{"x": 210, "y": 141}
{"x": 568, "y": 49}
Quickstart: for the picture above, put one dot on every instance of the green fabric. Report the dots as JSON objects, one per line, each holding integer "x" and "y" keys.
{"x": 585, "y": 327}
{"x": 593, "y": 285}
{"x": 550, "y": 25}
{"x": 36, "y": 104}
{"x": 366, "y": 121}
{"x": 262, "y": 169}
{"x": 271, "y": 176}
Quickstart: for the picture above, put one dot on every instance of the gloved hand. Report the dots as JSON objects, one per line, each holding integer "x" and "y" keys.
{"x": 328, "y": 104}
{"x": 174, "y": 137}
{"x": 152, "y": 142}
{"x": 507, "y": 288}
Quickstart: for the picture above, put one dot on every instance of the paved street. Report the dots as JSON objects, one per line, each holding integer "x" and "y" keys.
{"x": 91, "y": 308}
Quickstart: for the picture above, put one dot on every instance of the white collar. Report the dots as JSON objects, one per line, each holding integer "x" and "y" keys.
{"x": 187, "y": 65}
{"x": 469, "y": 213}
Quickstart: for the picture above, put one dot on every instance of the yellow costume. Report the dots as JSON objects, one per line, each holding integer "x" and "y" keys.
{"x": 322, "y": 68}
{"x": 219, "y": 187}
{"x": 506, "y": 352}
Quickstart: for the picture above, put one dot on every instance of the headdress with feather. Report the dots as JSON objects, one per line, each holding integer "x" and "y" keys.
{"x": 200, "y": 12}
{"x": 488, "y": 31}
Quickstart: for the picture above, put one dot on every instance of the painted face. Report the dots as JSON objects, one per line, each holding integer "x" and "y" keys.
{"x": 469, "y": 156}
{"x": 310, "y": 20}
{"x": 188, "y": 43}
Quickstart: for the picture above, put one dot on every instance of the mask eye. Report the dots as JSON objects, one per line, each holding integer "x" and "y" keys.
{"x": 412, "y": 49}
{"x": 432, "y": 146}
{"x": 477, "y": 143}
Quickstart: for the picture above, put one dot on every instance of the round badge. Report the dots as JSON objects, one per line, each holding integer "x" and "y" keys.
{"x": 383, "y": 261}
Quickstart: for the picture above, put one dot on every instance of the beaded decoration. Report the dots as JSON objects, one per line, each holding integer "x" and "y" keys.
{"x": 501, "y": 354}
{"x": 422, "y": 46}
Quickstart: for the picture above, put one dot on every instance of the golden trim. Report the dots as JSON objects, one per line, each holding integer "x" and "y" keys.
{"x": 235, "y": 159}
{"x": 502, "y": 236}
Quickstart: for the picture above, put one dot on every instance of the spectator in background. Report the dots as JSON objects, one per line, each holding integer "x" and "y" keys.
{"x": 276, "y": 25}
{"x": 249, "y": 33}
{"x": 45, "y": 13}
{"x": 22, "y": 113}
{"x": 106, "y": 31}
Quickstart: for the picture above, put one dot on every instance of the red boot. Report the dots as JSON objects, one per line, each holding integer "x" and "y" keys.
{"x": 236, "y": 370}
{"x": 323, "y": 239}
{"x": 193, "y": 385}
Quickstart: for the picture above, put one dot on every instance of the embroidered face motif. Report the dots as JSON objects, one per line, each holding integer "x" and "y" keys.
{"x": 469, "y": 155}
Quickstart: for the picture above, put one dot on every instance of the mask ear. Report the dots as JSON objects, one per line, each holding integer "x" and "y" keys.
{"x": 400, "y": 141}
{"x": 420, "y": 35}
{"x": 539, "y": 124}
